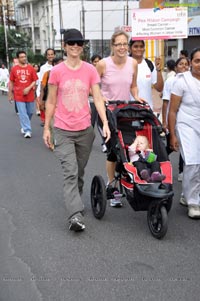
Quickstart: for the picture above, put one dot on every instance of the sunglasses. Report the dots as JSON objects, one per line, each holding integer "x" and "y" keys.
{"x": 72, "y": 43}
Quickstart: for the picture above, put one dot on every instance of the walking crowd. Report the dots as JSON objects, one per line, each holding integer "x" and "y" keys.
{"x": 69, "y": 95}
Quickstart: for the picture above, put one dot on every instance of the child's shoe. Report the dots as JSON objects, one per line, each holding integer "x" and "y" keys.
{"x": 145, "y": 175}
{"x": 156, "y": 176}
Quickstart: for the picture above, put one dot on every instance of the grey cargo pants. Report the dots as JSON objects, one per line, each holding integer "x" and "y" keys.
{"x": 73, "y": 150}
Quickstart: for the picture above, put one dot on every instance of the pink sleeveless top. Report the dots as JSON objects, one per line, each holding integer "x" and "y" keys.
{"x": 116, "y": 83}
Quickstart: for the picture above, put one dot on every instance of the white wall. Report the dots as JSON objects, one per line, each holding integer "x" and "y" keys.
{"x": 113, "y": 16}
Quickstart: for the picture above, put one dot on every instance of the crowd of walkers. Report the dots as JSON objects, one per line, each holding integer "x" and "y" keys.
{"x": 69, "y": 94}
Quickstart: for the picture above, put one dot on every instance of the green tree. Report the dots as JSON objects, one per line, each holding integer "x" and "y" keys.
{"x": 16, "y": 41}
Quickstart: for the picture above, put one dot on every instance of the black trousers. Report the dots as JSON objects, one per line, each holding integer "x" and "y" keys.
{"x": 169, "y": 151}
{"x": 152, "y": 167}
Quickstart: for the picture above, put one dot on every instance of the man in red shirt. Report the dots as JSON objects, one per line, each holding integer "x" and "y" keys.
{"x": 22, "y": 89}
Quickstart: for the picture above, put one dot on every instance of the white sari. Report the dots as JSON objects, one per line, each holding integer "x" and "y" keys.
{"x": 188, "y": 133}
{"x": 188, "y": 117}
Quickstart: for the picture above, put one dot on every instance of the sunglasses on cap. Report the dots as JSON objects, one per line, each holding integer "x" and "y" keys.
{"x": 72, "y": 43}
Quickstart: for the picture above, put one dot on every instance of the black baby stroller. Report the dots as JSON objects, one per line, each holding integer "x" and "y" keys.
{"x": 127, "y": 119}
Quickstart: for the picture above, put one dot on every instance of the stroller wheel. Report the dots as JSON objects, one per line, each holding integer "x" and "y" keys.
{"x": 157, "y": 220}
{"x": 98, "y": 197}
{"x": 169, "y": 204}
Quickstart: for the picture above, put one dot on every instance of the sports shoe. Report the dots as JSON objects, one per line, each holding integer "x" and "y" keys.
{"x": 116, "y": 200}
{"x": 75, "y": 224}
{"x": 27, "y": 135}
{"x": 104, "y": 148}
{"x": 145, "y": 175}
{"x": 157, "y": 177}
{"x": 38, "y": 113}
{"x": 180, "y": 177}
{"x": 194, "y": 211}
{"x": 22, "y": 131}
{"x": 182, "y": 200}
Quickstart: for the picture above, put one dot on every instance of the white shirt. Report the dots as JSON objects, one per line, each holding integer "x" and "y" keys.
{"x": 43, "y": 69}
{"x": 145, "y": 80}
{"x": 167, "y": 92}
{"x": 4, "y": 74}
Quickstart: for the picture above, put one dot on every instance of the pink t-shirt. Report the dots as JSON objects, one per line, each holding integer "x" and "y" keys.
{"x": 72, "y": 110}
{"x": 116, "y": 82}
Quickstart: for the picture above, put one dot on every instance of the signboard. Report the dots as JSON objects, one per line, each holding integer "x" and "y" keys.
{"x": 164, "y": 23}
{"x": 194, "y": 26}
{"x": 4, "y": 85}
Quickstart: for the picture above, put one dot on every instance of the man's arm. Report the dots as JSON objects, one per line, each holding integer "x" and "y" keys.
{"x": 49, "y": 113}
{"x": 174, "y": 106}
{"x": 10, "y": 90}
{"x": 27, "y": 89}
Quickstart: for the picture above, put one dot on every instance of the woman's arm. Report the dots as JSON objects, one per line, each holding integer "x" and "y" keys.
{"x": 100, "y": 106}
{"x": 164, "y": 114}
{"x": 101, "y": 67}
{"x": 159, "y": 84}
{"x": 174, "y": 106}
{"x": 134, "y": 88}
{"x": 49, "y": 113}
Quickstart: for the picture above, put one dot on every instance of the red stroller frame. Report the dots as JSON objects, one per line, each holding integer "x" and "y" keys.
{"x": 127, "y": 119}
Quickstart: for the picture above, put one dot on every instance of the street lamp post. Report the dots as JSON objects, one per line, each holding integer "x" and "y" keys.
{"x": 83, "y": 18}
{"x": 102, "y": 28}
{"x": 127, "y": 9}
{"x": 6, "y": 37}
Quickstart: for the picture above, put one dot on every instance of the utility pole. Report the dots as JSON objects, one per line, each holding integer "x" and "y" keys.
{"x": 61, "y": 25}
{"x": 102, "y": 52}
{"x": 5, "y": 34}
{"x": 127, "y": 9}
{"x": 83, "y": 19}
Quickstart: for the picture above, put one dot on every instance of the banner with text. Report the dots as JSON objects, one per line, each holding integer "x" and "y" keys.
{"x": 4, "y": 85}
{"x": 157, "y": 24}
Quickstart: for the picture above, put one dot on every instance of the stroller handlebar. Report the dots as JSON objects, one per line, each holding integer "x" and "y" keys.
{"x": 118, "y": 102}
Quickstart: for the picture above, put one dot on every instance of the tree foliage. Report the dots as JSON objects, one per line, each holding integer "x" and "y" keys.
{"x": 16, "y": 41}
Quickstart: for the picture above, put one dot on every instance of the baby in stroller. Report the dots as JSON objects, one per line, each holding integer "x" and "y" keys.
{"x": 144, "y": 159}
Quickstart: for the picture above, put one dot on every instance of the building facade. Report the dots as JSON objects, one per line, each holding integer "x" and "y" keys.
{"x": 44, "y": 20}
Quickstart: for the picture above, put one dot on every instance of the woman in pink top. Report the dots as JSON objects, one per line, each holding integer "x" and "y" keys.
{"x": 118, "y": 74}
{"x": 69, "y": 86}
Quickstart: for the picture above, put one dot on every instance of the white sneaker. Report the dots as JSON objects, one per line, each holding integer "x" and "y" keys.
{"x": 104, "y": 148}
{"x": 183, "y": 201}
{"x": 194, "y": 211}
{"x": 22, "y": 131}
{"x": 180, "y": 177}
{"x": 27, "y": 135}
{"x": 116, "y": 201}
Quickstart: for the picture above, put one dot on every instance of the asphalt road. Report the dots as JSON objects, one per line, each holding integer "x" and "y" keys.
{"x": 116, "y": 258}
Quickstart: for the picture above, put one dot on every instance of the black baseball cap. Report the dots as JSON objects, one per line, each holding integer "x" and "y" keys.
{"x": 73, "y": 34}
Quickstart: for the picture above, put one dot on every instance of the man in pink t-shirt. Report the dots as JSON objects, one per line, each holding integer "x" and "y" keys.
{"x": 69, "y": 86}
{"x": 22, "y": 89}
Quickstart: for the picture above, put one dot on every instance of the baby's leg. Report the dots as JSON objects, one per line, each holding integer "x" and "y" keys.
{"x": 142, "y": 170}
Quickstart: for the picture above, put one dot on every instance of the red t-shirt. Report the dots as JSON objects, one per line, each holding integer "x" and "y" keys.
{"x": 22, "y": 77}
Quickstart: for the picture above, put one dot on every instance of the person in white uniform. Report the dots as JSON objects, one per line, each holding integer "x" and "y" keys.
{"x": 181, "y": 65}
{"x": 149, "y": 74}
{"x": 184, "y": 127}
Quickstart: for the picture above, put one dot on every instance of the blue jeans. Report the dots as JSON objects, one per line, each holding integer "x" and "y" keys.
{"x": 25, "y": 110}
